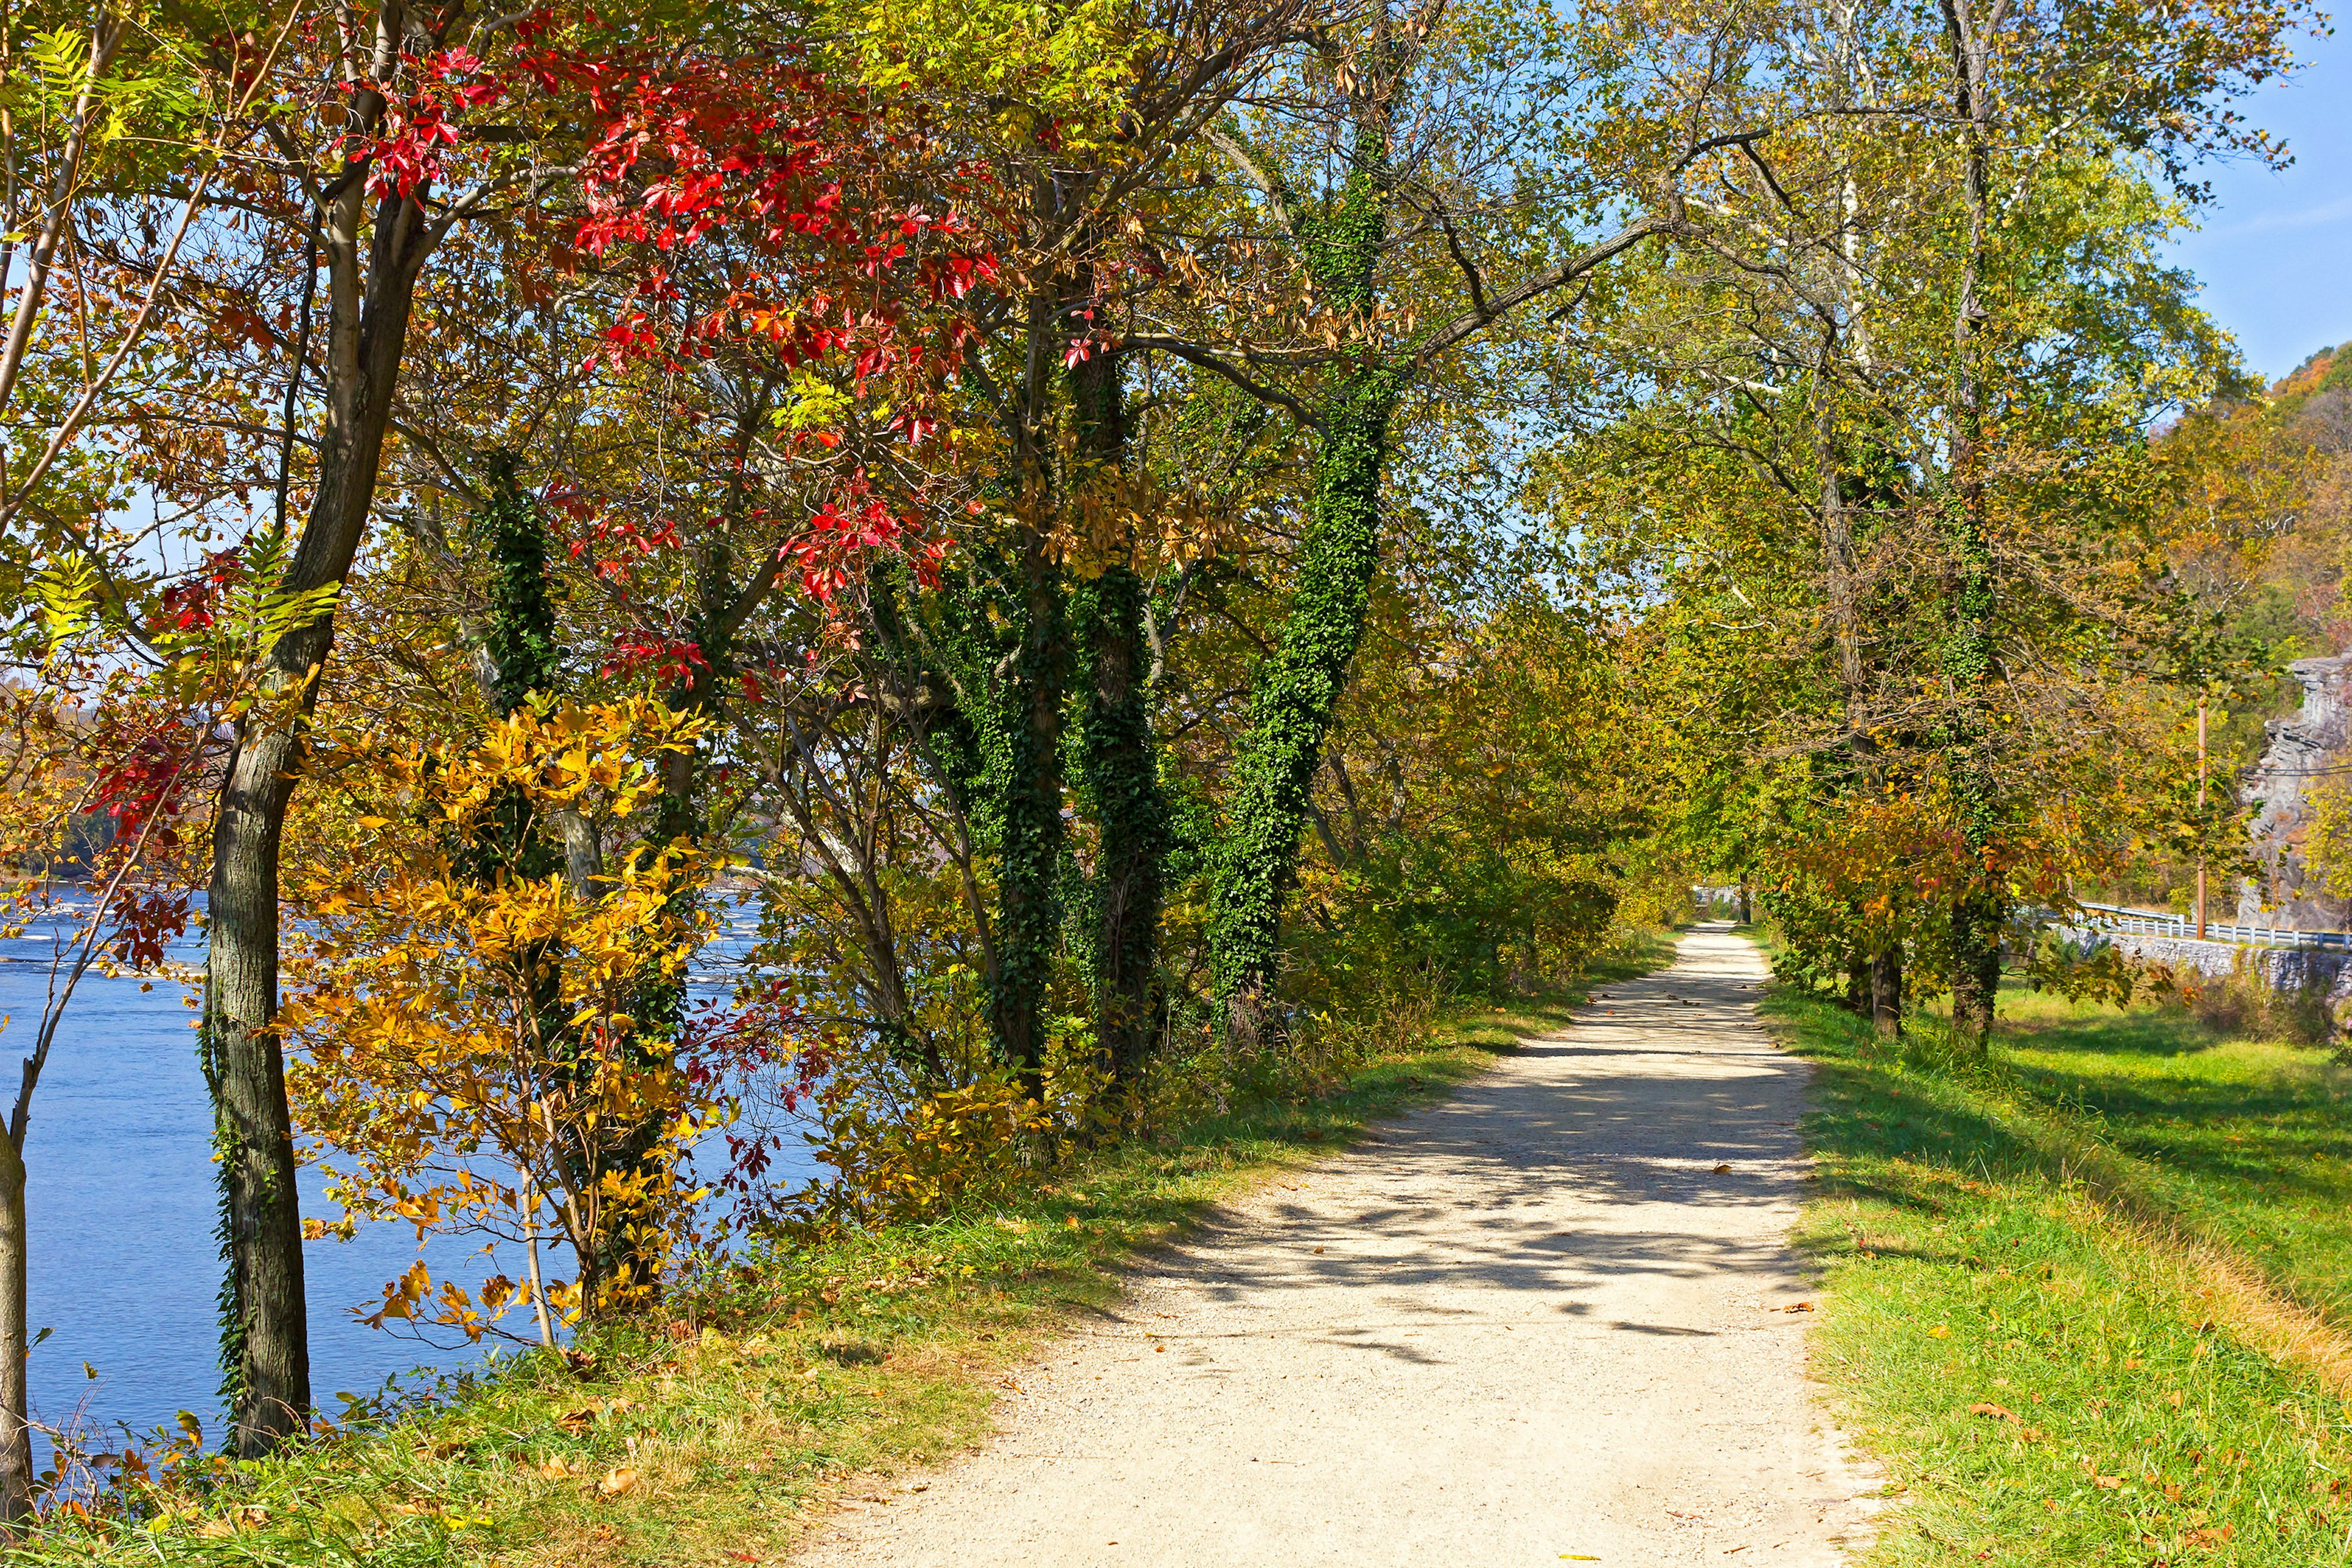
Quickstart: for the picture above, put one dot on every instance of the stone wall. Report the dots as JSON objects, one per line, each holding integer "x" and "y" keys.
{"x": 2284, "y": 970}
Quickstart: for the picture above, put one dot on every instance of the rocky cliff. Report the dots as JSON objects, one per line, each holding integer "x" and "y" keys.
{"x": 2301, "y": 752}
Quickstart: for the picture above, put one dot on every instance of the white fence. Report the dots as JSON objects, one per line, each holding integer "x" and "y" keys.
{"x": 2163, "y": 922}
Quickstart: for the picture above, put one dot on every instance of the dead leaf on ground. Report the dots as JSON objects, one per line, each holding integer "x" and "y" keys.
{"x": 1724, "y": 1169}
{"x": 1799, "y": 1307}
{"x": 616, "y": 1483}
{"x": 2000, "y": 1411}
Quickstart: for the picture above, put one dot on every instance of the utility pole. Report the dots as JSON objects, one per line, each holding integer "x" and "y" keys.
{"x": 2201, "y": 811}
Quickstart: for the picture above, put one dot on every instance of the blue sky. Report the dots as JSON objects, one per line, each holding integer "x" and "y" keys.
{"x": 2275, "y": 253}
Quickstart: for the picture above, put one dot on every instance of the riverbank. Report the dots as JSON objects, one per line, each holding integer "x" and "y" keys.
{"x": 2082, "y": 1298}
{"x": 807, "y": 1373}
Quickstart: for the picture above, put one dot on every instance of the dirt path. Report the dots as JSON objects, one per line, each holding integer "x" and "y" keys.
{"x": 1539, "y": 1321}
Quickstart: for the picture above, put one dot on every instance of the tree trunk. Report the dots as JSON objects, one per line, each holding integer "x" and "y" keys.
{"x": 1979, "y": 912}
{"x": 265, "y": 1347}
{"x": 1117, "y": 753}
{"x": 16, "y": 1432}
{"x": 1030, "y": 846}
{"x": 1122, "y": 772}
{"x": 265, "y": 1319}
{"x": 1886, "y": 993}
{"x": 1299, "y": 686}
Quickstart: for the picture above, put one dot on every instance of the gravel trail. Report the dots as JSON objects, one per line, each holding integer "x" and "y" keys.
{"x": 1538, "y": 1321}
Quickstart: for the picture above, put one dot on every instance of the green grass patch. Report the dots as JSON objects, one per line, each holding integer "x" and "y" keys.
{"x": 2251, "y": 1141}
{"x": 803, "y": 1370}
{"x": 2042, "y": 1381}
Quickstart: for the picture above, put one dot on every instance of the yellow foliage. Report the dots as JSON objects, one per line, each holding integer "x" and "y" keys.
{"x": 467, "y": 1038}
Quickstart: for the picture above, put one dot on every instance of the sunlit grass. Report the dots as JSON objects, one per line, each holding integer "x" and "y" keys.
{"x": 2040, "y": 1373}
{"x": 2251, "y": 1138}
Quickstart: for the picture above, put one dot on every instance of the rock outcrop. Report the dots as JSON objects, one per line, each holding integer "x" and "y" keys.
{"x": 2301, "y": 752}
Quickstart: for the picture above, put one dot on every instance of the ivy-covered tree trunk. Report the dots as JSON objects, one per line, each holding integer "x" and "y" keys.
{"x": 1031, "y": 837}
{"x": 1296, "y": 692}
{"x": 1118, "y": 757}
{"x": 518, "y": 635}
{"x": 1121, "y": 767}
{"x": 1981, "y": 908}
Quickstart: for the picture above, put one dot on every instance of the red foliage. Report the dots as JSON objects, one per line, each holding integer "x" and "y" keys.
{"x": 826, "y": 260}
{"x": 146, "y": 921}
{"x": 671, "y": 658}
{"x": 770, "y": 1054}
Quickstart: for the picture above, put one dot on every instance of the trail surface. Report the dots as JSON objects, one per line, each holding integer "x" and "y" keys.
{"x": 1535, "y": 1322}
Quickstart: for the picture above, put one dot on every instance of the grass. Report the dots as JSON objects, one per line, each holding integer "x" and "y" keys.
{"x": 2249, "y": 1139}
{"x": 807, "y": 1373}
{"x": 2046, "y": 1308}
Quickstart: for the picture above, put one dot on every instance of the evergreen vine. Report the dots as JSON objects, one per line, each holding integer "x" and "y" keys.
{"x": 1297, "y": 687}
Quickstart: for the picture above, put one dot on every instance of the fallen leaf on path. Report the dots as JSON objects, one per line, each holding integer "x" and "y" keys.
{"x": 1799, "y": 1307}
{"x": 1318, "y": 1252}
{"x": 1722, "y": 1169}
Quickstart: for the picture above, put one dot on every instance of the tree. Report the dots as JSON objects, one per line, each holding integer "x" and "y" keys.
{"x": 1820, "y": 454}
{"x": 1478, "y": 157}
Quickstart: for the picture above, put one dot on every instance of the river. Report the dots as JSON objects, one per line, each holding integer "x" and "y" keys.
{"x": 121, "y": 1202}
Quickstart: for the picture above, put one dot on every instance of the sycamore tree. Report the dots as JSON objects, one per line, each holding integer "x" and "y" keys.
{"x": 1905, "y": 577}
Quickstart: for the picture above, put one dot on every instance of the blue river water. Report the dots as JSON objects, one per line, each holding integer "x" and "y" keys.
{"x": 121, "y": 1202}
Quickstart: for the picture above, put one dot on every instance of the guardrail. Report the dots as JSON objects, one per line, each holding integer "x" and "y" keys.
{"x": 2163, "y": 923}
